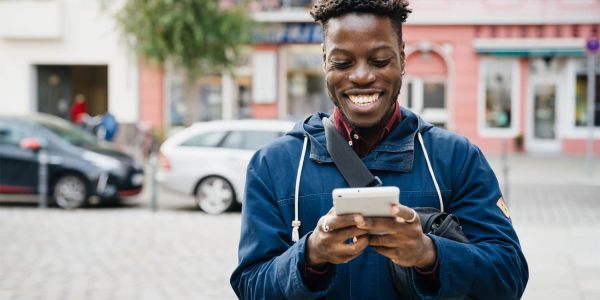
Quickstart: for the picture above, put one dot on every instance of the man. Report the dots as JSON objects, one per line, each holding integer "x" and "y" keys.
{"x": 335, "y": 257}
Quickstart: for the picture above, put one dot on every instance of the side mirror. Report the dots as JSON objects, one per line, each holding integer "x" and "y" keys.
{"x": 31, "y": 143}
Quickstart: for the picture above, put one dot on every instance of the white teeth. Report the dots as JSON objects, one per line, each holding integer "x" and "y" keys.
{"x": 363, "y": 99}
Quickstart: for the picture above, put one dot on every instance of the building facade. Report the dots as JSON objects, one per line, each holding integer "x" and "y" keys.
{"x": 52, "y": 50}
{"x": 503, "y": 73}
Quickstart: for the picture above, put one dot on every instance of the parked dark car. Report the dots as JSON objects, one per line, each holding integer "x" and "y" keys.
{"x": 79, "y": 166}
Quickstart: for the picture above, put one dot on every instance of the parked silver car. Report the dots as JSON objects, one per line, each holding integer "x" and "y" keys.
{"x": 209, "y": 160}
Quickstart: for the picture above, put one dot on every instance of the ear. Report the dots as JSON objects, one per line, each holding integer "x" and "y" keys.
{"x": 402, "y": 56}
{"x": 324, "y": 64}
{"x": 402, "y": 46}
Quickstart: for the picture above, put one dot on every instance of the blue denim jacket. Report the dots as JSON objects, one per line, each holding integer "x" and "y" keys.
{"x": 491, "y": 266}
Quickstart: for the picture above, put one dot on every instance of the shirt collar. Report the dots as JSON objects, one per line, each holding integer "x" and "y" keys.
{"x": 354, "y": 139}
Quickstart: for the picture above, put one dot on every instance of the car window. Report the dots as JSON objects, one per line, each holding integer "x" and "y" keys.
{"x": 10, "y": 133}
{"x": 257, "y": 139}
{"x": 249, "y": 139}
{"x": 209, "y": 139}
{"x": 67, "y": 131}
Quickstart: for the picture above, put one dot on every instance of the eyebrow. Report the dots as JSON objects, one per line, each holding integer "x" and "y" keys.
{"x": 345, "y": 51}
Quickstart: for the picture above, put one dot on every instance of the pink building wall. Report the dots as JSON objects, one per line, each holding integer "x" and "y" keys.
{"x": 152, "y": 104}
{"x": 463, "y": 97}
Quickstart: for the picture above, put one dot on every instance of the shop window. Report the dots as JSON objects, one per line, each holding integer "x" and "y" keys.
{"x": 426, "y": 97}
{"x": 210, "y": 101}
{"x": 296, "y": 3}
{"x": 244, "y": 99}
{"x": 498, "y": 100}
{"x": 195, "y": 101}
{"x": 581, "y": 97}
{"x": 306, "y": 94}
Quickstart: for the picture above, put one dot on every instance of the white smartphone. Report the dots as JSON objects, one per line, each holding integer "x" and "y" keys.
{"x": 368, "y": 201}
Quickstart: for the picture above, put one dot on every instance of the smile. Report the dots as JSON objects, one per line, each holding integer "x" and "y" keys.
{"x": 363, "y": 100}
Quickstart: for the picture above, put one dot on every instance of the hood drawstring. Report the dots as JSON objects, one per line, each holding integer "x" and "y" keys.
{"x": 437, "y": 187}
{"x": 296, "y": 223}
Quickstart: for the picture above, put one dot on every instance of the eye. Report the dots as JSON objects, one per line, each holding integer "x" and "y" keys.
{"x": 341, "y": 64}
{"x": 381, "y": 62}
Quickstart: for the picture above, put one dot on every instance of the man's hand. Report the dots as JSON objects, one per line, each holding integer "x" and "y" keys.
{"x": 331, "y": 247}
{"x": 406, "y": 245}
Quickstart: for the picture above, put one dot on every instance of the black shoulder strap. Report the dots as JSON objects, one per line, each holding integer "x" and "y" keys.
{"x": 346, "y": 160}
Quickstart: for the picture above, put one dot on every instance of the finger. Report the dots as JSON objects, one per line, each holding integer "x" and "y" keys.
{"x": 387, "y": 225}
{"x": 390, "y": 226}
{"x": 336, "y": 222}
{"x": 385, "y": 240}
{"x": 343, "y": 253}
{"x": 342, "y": 235}
{"x": 393, "y": 255}
{"x": 385, "y": 251}
{"x": 404, "y": 213}
{"x": 391, "y": 241}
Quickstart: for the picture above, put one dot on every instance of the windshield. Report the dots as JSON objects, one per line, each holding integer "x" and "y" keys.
{"x": 67, "y": 131}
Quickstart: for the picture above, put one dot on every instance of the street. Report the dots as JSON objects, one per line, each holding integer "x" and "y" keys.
{"x": 130, "y": 252}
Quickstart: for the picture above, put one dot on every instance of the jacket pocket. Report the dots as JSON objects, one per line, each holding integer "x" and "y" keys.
{"x": 424, "y": 198}
{"x": 310, "y": 209}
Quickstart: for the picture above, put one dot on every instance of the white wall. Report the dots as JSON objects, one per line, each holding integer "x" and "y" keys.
{"x": 89, "y": 37}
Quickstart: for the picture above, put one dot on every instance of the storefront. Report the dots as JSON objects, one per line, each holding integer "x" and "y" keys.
{"x": 288, "y": 59}
{"x": 540, "y": 82}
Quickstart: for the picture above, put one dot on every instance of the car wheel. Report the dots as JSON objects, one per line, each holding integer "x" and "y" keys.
{"x": 215, "y": 195}
{"x": 70, "y": 192}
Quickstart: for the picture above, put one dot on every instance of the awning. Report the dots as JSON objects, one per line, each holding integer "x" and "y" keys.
{"x": 528, "y": 47}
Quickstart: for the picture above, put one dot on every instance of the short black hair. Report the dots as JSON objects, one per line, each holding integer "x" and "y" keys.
{"x": 396, "y": 10}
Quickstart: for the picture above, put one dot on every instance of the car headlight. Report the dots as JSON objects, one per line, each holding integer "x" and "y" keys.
{"x": 137, "y": 179}
{"x": 102, "y": 161}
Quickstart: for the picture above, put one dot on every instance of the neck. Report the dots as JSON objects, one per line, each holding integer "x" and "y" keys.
{"x": 372, "y": 135}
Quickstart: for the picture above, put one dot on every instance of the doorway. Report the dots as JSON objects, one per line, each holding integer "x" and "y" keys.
{"x": 59, "y": 84}
{"x": 544, "y": 95}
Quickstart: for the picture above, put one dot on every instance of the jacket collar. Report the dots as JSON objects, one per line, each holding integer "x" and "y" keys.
{"x": 394, "y": 153}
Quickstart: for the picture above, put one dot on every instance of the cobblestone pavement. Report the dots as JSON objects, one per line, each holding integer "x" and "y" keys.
{"x": 126, "y": 253}
{"x": 559, "y": 229}
{"x": 129, "y": 252}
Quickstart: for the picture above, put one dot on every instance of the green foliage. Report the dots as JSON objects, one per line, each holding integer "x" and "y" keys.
{"x": 193, "y": 34}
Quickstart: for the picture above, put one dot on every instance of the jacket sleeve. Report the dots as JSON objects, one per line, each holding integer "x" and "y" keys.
{"x": 492, "y": 265}
{"x": 269, "y": 264}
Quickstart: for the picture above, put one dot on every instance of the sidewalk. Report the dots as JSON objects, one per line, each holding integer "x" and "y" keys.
{"x": 555, "y": 208}
{"x": 539, "y": 169}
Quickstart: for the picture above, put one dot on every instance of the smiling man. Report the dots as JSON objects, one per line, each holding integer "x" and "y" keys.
{"x": 294, "y": 246}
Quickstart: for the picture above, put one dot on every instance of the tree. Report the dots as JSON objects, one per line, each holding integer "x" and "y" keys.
{"x": 196, "y": 35}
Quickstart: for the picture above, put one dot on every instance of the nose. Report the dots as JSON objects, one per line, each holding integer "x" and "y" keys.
{"x": 362, "y": 75}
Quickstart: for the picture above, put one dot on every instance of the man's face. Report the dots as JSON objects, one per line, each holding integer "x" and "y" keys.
{"x": 363, "y": 60}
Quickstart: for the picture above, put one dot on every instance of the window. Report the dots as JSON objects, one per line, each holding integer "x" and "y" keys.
{"x": 296, "y": 3}
{"x": 581, "y": 96}
{"x": 211, "y": 139}
{"x": 10, "y": 134}
{"x": 427, "y": 97}
{"x": 305, "y": 87}
{"x": 250, "y": 140}
{"x": 194, "y": 100}
{"x": 68, "y": 132}
{"x": 434, "y": 95}
{"x": 498, "y": 99}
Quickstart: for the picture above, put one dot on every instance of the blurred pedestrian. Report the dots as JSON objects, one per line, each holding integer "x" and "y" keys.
{"x": 78, "y": 109}
{"x": 108, "y": 127}
{"x": 294, "y": 246}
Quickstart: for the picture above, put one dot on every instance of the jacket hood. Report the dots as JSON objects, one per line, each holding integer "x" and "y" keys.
{"x": 401, "y": 139}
